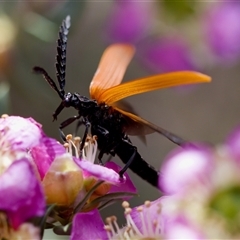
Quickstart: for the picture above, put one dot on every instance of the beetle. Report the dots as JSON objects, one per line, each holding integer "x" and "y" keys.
{"x": 102, "y": 116}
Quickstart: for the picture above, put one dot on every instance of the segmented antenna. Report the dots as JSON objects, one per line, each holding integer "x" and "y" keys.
{"x": 61, "y": 53}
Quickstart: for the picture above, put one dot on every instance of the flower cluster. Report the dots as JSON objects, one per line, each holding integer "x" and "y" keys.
{"x": 202, "y": 187}
{"x": 174, "y": 36}
{"x": 201, "y": 197}
{"x": 46, "y": 183}
{"x": 21, "y": 194}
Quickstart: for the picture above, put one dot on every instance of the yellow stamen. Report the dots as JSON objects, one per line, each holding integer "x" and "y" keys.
{"x": 4, "y": 116}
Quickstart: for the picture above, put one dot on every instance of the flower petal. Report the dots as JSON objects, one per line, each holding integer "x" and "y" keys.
{"x": 88, "y": 226}
{"x": 22, "y": 133}
{"x": 99, "y": 172}
{"x": 63, "y": 181}
{"x": 184, "y": 167}
{"x": 26, "y": 231}
{"x": 21, "y": 195}
{"x": 222, "y": 22}
{"x": 166, "y": 54}
{"x": 126, "y": 186}
{"x": 233, "y": 144}
{"x": 150, "y": 213}
{"x": 129, "y": 21}
{"x": 44, "y": 153}
{"x": 180, "y": 228}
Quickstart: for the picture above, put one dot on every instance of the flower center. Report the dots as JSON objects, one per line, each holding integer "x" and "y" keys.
{"x": 89, "y": 151}
{"x": 147, "y": 229}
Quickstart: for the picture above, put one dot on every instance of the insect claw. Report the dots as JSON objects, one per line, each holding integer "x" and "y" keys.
{"x": 62, "y": 136}
{"x": 121, "y": 175}
{"x": 54, "y": 117}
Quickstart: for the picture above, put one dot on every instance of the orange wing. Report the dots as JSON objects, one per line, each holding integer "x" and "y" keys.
{"x": 116, "y": 93}
{"x": 147, "y": 127}
{"x": 111, "y": 68}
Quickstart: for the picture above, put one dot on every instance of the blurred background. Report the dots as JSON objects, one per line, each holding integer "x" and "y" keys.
{"x": 168, "y": 35}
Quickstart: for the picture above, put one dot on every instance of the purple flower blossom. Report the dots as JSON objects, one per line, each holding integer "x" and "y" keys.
{"x": 132, "y": 22}
{"x": 184, "y": 168}
{"x": 70, "y": 182}
{"x": 233, "y": 144}
{"x": 181, "y": 228}
{"x": 168, "y": 44}
{"x": 166, "y": 54}
{"x": 142, "y": 222}
{"x": 204, "y": 187}
{"x": 21, "y": 195}
{"x": 129, "y": 21}
{"x": 223, "y": 29}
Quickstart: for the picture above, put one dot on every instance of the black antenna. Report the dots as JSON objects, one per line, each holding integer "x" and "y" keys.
{"x": 40, "y": 70}
{"x": 61, "y": 53}
{"x": 61, "y": 60}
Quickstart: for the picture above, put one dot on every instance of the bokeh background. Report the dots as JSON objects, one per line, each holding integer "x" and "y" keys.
{"x": 168, "y": 35}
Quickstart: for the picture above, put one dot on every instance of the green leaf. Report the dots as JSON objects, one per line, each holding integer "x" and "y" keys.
{"x": 179, "y": 9}
{"x": 227, "y": 204}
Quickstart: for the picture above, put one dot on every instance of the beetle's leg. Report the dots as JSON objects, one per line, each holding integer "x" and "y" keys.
{"x": 129, "y": 162}
{"x": 65, "y": 124}
{"x": 87, "y": 126}
{"x": 131, "y": 159}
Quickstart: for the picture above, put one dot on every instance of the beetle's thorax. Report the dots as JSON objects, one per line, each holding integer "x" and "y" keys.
{"x": 81, "y": 103}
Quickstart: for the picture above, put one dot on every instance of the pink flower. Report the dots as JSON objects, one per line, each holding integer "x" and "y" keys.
{"x": 180, "y": 227}
{"x": 184, "y": 168}
{"x": 233, "y": 144}
{"x": 76, "y": 184}
{"x": 223, "y": 29}
{"x": 21, "y": 195}
{"x": 129, "y": 21}
{"x": 20, "y": 133}
{"x": 166, "y": 54}
{"x": 133, "y": 22}
{"x": 204, "y": 187}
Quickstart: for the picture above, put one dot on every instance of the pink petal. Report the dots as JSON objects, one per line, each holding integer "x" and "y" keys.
{"x": 151, "y": 213}
{"x": 22, "y": 133}
{"x": 126, "y": 186}
{"x": 180, "y": 228}
{"x": 99, "y": 172}
{"x": 223, "y": 29}
{"x": 88, "y": 226}
{"x": 44, "y": 153}
{"x": 21, "y": 195}
{"x": 184, "y": 167}
{"x": 166, "y": 54}
{"x": 233, "y": 144}
{"x": 129, "y": 21}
